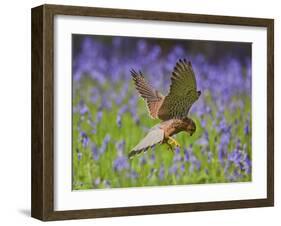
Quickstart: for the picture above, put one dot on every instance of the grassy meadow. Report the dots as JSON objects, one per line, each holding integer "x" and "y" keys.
{"x": 109, "y": 118}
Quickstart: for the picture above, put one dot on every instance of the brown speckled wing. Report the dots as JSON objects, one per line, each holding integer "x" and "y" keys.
{"x": 152, "y": 97}
{"x": 183, "y": 92}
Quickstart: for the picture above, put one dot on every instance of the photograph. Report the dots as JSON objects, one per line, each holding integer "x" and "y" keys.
{"x": 160, "y": 112}
{"x": 138, "y": 112}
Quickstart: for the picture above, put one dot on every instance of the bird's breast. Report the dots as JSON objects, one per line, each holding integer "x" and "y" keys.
{"x": 172, "y": 129}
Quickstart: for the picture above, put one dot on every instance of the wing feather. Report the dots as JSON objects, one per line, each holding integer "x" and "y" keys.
{"x": 152, "y": 97}
{"x": 183, "y": 92}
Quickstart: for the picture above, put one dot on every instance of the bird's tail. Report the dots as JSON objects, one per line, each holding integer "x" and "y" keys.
{"x": 136, "y": 152}
{"x": 154, "y": 136}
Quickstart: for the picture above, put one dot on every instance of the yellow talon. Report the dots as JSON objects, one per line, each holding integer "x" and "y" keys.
{"x": 173, "y": 142}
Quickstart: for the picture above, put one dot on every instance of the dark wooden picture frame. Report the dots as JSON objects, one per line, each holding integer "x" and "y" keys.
{"x": 42, "y": 203}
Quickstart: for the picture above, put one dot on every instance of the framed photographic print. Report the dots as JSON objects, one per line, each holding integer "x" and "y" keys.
{"x": 141, "y": 112}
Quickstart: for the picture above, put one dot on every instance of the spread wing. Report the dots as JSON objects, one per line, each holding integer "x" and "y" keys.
{"x": 152, "y": 97}
{"x": 154, "y": 136}
{"x": 183, "y": 92}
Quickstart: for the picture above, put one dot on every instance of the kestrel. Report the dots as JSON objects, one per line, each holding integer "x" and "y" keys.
{"x": 171, "y": 109}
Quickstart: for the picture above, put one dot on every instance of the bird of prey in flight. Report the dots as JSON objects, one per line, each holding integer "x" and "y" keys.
{"x": 171, "y": 109}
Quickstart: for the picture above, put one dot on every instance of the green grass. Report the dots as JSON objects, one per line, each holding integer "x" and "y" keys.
{"x": 89, "y": 173}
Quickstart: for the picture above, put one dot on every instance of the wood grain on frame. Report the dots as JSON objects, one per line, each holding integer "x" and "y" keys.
{"x": 42, "y": 198}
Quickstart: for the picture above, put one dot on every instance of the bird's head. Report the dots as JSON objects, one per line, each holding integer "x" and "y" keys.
{"x": 190, "y": 126}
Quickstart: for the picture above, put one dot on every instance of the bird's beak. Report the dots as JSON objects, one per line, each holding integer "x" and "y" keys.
{"x": 191, "y": 133}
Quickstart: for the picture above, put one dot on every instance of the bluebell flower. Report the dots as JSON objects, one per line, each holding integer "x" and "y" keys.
{"x": 203, "y": 123}
{"x": 119, "y": 121}
{"x": 142, "y": 160}
{"x": 123, "y": 109}
{"x": 142, "y": 46}
{"x": 152, "y": 158}
{"x": 120, "y": 145}
{"x": 120, "y": 163}
{"x": 246, "y": 128}
{"x": 104, "y": 143}
{"x": 99, "y": 116}
{"x": 133, "y": 174}
{"x": 186, "y": 155}
{"x": 161, "y": 173}
{"x": 94, "y": 95}
{"x": 222, "y": 154}
{"x": 84, "y": 139}
{"x": 195, "y": 162}
{"x": 177, "y": 155}
{"x": 204, "y": 140}
{"x": 106, "y": 103}
{"x": 97, "y": 181}
{"x": 117, "y": 41}
{"x": 182, "y": 167}
{"x": 247, "y": 165}
{"x": 79, "y": 155}
{"x": 95, "y": 152}
{"x": 173, "y": 169}
{"x": 83, "y": 109}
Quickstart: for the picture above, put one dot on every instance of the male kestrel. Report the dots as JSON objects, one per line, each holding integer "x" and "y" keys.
{"x": 171, "y": 109}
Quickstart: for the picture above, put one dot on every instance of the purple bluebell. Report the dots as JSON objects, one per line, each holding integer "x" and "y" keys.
{"x": 247, "y": 165}
{"x": 222, "y": 152}
{"x": 182, "y": 167}
{"x": 142, "y": 160}
{"x": 106, "y": 103}
{"x": 119, "y": 121}
{"x": 152, "y": 158}
{"x": 99, "y": 116}
{"x": 83, "y": 109}
{"x": 142, "y": 46}
{"x": 161, "y": 172}
{"x": 104, "y": 143}
{"x": 133, "y": 174}
{"x": 187, "y": 153}
{"x": 123, "y": 109}
{"x": 120, "y": 163}
{"x": 195, "y": 163}
{"x": 95, "y": 95}
{"x": 177, "y": 155}
{"x": 203, "y": 123}
{"x": 84, "y": 139}
{"x": 246, "y": 128}
{"x": 95, "y": 152}
{"x": 79, "y": 155}
{"x": 204, "y": 139}
{"x": 97, "y": 181}
{"x": 120, "y": 145}
{"x": 173, "y": 169}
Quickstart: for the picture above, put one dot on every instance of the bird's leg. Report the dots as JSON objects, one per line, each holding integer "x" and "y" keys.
{"x": 170, "y": 146}
{"x": 172, "y": 141}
